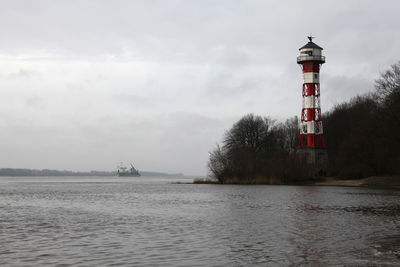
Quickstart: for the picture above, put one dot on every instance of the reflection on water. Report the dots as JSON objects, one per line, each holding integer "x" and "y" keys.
{"x": 308, "y": 230}
{"x": 152, "y": 222}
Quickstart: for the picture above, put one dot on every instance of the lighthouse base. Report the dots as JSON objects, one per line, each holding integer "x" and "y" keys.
{"x": 317, "y": 158}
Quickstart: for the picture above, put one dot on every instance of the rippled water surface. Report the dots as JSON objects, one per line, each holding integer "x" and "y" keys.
{"x": 148, "y": 221}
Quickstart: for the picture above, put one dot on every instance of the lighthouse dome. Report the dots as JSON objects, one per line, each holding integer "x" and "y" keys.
{"x": 311, "y": 45}
{"x": 310, "y": 52}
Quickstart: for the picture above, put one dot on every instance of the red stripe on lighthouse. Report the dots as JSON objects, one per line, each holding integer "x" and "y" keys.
{"x": 311, "y": 114}
{"x": 310, "y": 89}
{"x": 316, "y": 140}
{"x": 310, "y": 66}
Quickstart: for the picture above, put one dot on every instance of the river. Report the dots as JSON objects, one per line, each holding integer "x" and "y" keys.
{"x": 149, "y": 221}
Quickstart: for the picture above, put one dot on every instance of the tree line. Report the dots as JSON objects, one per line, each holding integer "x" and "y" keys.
{"x": 363, "y": 134}
{"x": 362, "y": 138}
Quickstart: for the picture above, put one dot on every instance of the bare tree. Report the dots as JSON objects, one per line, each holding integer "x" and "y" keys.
{"x": 291, "y": 134}
{"x": 218, "y": 164}
{"x": 250, "y": 132}
{"x": 388, "y": 93}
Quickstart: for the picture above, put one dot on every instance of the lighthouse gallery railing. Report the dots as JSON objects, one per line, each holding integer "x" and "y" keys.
{"x": 310, "y": 58}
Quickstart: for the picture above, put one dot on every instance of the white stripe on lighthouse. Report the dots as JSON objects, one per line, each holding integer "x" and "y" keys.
{"x": 311, "y": 127}
{"x": 309, "y": 101}
{"x": 310, "y": 77}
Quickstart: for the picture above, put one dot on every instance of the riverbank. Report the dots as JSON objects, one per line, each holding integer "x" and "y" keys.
{"x": 385, "y": 181}
{"x": 381, "y": 181}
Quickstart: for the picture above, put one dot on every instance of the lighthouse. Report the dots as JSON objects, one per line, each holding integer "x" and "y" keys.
{"x": 311, "y": 141}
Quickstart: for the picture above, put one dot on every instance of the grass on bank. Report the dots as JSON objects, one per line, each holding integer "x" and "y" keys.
{"x": 205, "y": 181}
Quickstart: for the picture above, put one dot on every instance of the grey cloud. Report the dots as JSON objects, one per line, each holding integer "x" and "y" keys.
{"x": 22, "y": 74}
{"x": 35, "y": 102}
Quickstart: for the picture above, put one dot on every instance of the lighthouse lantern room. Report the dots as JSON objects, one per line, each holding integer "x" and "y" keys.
{"x": 311, "y": 141}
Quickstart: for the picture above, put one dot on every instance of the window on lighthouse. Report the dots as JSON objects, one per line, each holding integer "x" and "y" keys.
{"x": 317, "y": 102}
{"x": 316, "y": 114}
{"x": 305, "y": 115}
{"x": 304, "y": 128}
{"x": 316, "y": 89}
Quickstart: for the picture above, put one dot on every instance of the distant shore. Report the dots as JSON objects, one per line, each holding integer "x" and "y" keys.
{"x": 374, "y": 181}
{"x": 22, "y": 172}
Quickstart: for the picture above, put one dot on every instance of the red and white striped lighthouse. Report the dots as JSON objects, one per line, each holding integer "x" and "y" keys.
{"x": 311, "y": 140}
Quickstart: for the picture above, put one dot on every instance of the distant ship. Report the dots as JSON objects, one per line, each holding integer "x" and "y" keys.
{"x": 123, "y": 171}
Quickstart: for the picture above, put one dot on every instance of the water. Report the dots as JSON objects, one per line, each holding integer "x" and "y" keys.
{"x": 147, "y": 221}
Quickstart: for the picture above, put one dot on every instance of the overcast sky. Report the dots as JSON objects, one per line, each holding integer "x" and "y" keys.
{"x": 87, "y": 84}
